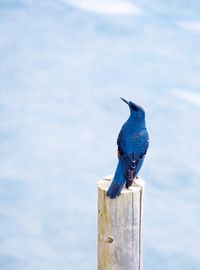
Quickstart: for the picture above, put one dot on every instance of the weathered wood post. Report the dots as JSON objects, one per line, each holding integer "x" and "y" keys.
{"x": 120, "y": 227}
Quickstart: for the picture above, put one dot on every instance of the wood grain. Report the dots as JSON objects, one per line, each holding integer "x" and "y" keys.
{"x": 120, "y": 227}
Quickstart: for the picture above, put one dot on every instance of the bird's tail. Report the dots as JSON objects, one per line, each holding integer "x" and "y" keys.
{"x": 117, "y": 182}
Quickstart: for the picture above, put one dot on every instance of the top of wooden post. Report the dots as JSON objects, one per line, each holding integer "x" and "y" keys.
{"x": 136, "y": 186}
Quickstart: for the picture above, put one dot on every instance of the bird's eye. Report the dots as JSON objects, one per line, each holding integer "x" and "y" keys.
{"x": 135, "y": 108}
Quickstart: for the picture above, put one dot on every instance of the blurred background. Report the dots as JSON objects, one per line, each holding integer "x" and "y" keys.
{"x": 63, "y": 66}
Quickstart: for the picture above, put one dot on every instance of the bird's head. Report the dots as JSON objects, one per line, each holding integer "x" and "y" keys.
{"x": 136, "y": 110}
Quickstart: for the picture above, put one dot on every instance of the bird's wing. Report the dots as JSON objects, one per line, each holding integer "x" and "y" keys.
{"x": 131, "y": 165}
{"x": 131, "y": 160}
{"x": 132, "y": 154}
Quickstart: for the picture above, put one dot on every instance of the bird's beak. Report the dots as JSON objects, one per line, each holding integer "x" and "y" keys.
{"x": 125, "y": 101}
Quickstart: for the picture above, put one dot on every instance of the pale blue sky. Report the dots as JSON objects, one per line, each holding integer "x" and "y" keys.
{"x": 64, "y": 65}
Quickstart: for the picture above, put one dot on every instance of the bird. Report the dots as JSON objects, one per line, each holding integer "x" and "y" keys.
{"x": 133, "y": 142}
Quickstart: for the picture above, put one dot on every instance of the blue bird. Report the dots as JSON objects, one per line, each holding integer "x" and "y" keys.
{"x": 133, "y": 142}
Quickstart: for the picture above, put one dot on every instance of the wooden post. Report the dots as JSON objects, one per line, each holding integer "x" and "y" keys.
{"x": 120, "y": 227}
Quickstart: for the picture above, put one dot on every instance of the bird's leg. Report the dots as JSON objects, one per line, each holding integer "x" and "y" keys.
{"x": 129, "y": 178}
{"x": 129, "y": 184}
